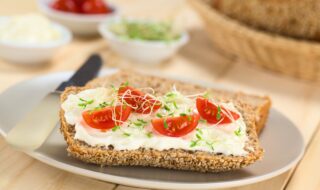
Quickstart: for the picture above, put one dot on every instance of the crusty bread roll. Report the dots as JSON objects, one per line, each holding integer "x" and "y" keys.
{"x": 294, "y": 18}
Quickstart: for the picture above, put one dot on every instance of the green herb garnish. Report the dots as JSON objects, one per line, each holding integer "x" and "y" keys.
{"x": 183, "y": 114}
{"x": 115, "y": 128}
{"x": 103, "y": 105}
{"x": 210, "y": 144}
{"x": 140, "y": 123}
{"x": 175, "y": 104}
{"x": 238, "y": 132}
{"x": 114, "y": 88}
{"x": 126, "y": 134}
{"x": 194, "y": 143}
{"x": 149, "y": 134}
{"x": 166, "y": 107}
{"x": 170, "y": 94}
{"x": 218, "y": 116}
{"x": 199, "y": 130}
{"x": 149, "y": 31}
{"x": 84, "y": 103}
{"x": 165, "y": 124}
{"x": 202, "y": 121}
{"x": 159, "y": 115}
{"x": 200, "y": 139}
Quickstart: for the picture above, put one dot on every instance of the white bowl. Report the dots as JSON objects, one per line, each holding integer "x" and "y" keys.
{"x": 84, "y": 25}
{"x": 149, "y": 52}
{"x": 33, "y": 53}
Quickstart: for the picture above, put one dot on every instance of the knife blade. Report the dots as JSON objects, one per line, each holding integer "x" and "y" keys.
{"x": 34, "y": 128}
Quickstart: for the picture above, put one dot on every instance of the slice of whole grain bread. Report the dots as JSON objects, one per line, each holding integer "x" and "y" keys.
{"x": 254, "y": 110}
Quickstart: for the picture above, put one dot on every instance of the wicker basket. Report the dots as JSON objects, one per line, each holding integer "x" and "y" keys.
{"x": 289, "y": 56}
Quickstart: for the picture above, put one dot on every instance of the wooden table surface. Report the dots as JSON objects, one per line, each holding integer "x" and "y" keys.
{"x": 298, "y": 100}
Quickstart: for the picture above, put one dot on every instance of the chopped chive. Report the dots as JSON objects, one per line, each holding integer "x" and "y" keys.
{"x": 210, "y": 145}
{"x": 238, "y": 132}
{"x": 175, "y": 105}
{"x": 193, "y": 143}
{"x": 202, "y": 120}
{"x": 85, "y": 103}
{"x": 126, "y": 134}
{"x": 170, "y": 94}
{"x": 114, "y": 88}
{"x": 165, "y": 124}
{"x": 102, "y": 105}
{"x": 183, "y": 114}
{"x": 218, "y": 116}
{"x": 149, "y": 134}
{"x": 166, "y": 107}
{"x": 199, "y": 130}
{"x": 115, "y": 128}
{"x": 137, "y": 124}
{"x": 142, "y": 121}
{"x": 198, "y": 136}
{"x": 159, "y": 115}
{"x": 189, "y": 118}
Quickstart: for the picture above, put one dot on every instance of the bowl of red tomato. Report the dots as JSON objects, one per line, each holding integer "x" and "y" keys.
{"x": 80, "y": 16}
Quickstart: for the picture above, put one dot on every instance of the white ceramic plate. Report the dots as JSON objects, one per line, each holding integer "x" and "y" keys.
{"x": 281, "y": 140}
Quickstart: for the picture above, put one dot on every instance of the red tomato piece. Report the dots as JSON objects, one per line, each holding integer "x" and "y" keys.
{"x": 212, "y": 113}
{"x": 95, "y": 7}
{"x": 176, "y": 126}
{"x": 141, "y": 102}
{"x": 103, "y": 118}
{"x": 67, "y": 6}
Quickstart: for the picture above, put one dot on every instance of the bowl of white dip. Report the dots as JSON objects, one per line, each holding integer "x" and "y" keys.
{"x": 31, "y": 39}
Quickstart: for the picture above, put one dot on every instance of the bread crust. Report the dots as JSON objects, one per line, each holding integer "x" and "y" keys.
{"x": 173, "y": 158}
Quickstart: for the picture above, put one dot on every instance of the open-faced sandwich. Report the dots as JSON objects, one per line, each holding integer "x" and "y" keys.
{"x": 133, "y": 119}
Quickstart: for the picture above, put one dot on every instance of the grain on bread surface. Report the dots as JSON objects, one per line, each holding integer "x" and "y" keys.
{"x": 173, "y": 158}
{"x": 295, "y": 18}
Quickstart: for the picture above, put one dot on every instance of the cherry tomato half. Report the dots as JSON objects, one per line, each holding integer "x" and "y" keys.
{"x": 212, "y": 114}
{"x": 176, "y": 126}
{"x": 141, "y": 102}
{"x": 103, "y": 118}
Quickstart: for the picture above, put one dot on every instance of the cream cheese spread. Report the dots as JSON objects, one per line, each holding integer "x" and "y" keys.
{"x": 228, "y": 139}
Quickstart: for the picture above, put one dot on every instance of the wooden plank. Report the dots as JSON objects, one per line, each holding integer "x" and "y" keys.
{"x": 306, "y": 175}
{"x": 273, "y": 183}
